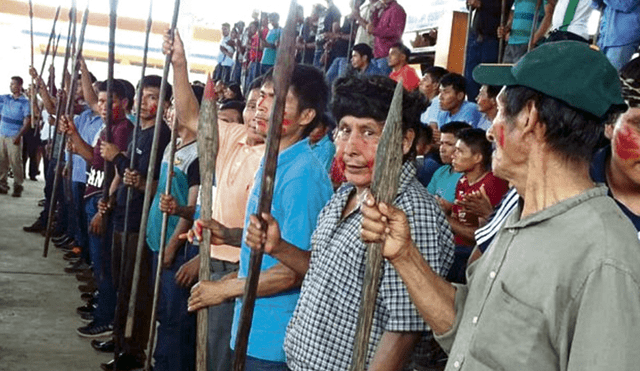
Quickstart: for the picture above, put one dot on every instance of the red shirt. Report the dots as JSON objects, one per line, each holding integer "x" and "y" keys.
{"x": 410, "y": 79}
{"x": 495, "y": 189}
{"x": 255, "y": 54}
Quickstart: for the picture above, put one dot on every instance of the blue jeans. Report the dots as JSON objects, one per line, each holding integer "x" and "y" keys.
{"x": 620, "y": 55}
{"x": 50, "y": 172}
{"x": 77, "y": 219}
{"x": 100, "y": 252}
{"x": 176, "y": 340}
{"x": 483, "y": 50}
{"x": 255, "y": 364}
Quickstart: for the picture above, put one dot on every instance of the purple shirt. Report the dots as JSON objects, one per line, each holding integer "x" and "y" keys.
{"x": 388, "y": 27}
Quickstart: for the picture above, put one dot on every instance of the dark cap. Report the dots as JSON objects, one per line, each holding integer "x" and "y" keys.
{"x": 570, "y": 71}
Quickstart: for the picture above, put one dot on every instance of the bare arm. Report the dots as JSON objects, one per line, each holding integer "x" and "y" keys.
{"x": 87, "y": 87}
{"x": 175, "y": 243}
{"x": 394, "y": 350}
{"x": 545, "y": 24}
{"x": 79, "y": 146}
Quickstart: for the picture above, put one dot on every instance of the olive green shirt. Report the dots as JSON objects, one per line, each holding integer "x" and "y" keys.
{"x": 557, "y": 290}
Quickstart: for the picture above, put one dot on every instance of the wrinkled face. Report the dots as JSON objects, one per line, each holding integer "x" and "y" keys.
{"x": 356, "y": 144}
{"x": 625, "y": 145}
{"x": 118, "y": 109}
{"x": 428, "y": 86}
{"x": 149, "y": 104}
{"x": 447, "y": 147}
{"x": 15, "y": 86}
{"x": 450, "y": 99}
{"x": 395, "y": 57}
{"x": 464, "y": 159}
{"x": 485, "y": 103}
{"x": 290, "y": 121}
{"x": 358, "y": 61}
{"x": 248, "y": 116}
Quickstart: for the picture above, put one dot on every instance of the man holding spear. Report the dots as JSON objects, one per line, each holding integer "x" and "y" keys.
{"x": 15, "y": 122}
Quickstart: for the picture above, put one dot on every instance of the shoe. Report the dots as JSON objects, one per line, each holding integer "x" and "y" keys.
{"x": 86, "y": 317}
{"x": 126, "y": 362}
{"x": 36, "y": 227}
{"x": 77, "y": 267}
{"x": 4, "y": 189}
{"x": 66, "y": 241}
{"x": 94, "y": 331}
{"x": 85, "y": 309}
{"x": 17, "y": 191}
{"x": 71, "y": 256}
{"x": 88, "y": 296}
{"x": 42, "y": 202}
{"x": 106, "y": 346}
{"x": 85, "y": 276}
{"x": 33, "y": 179}
{"x": 89, "y": 287}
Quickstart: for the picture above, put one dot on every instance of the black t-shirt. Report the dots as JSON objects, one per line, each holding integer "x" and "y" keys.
{"x": 141, "y": 164}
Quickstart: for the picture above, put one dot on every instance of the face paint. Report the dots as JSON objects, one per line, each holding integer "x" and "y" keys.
{"x": 371, "y": 163}
{"x": 285, "y": 124}
{"x": 153, "y": 110}
{"x": 500, "y": 135}
{"x": 627, "y": 143}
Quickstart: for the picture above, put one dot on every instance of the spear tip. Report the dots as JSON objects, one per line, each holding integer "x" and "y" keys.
{"x": 209, "y": 90}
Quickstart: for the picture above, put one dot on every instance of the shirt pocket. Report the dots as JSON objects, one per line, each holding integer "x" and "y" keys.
{"x": 512, "y": 335}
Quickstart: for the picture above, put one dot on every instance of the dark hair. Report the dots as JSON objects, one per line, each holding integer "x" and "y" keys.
{"x": 18, "y": 79}
{"x": 454, "y": 127}
{"x": 403, "y": 49}
{"x": 198, "y": 91}
{"x": 233, "y": 105}
{"x": 493, "y": 90}
{"x": 364, "y": 50}
{"x": 327, "y": 121}
{"x": 370, "y": 96}
{"x": 226, "y": 24}
{"x": 476, "y": 140}
{"x": 457, "y": 81}
{"x": 436, "y": 73}
{"x": 235, "y": 88}
{"x": 425, "y": 133}
{"x": 569, "y": 132}
{"x": 154, "y": 81}
{"x": 130, "y": 92}
{"x": 309, "y": 86}
{"x": 256, "y": 83}
{"x": 119, "y": 89}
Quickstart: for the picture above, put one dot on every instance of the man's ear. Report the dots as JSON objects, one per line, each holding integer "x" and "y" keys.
{"x": 532, "y": 124}
{"x": 608, "y": 131}
{"x": 407, "y": 141}
{"x": 460, "y": 95}
{"x": 306, "y": 116}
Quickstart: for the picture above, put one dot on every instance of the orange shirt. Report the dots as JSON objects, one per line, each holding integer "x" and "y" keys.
{"x": 236, "y": 166}
{"x": 410, "y": 79}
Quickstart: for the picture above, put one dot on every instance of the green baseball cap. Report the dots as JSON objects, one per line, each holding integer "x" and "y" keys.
{"x": 570, "y": 71}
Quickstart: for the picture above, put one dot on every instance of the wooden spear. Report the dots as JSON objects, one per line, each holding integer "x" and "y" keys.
{"x": 50, "y": 87}
{"x": 122, "y": 301}
{"x": 283, "y": 70}
{"x": 33, "y": 90}
{"x": 68, "y": 167}
{"x": 503, "y": 7}
{"x": 533, "y": 25}
{"x": 149, "y": 185}
{"x": 207, "y": 154}
{"x": 59, "y": 111}
{"x": 384, "y": 188}
{"x": 163, "y": 241}
{"x": 111, "y": 59}
{"x": 51, "y": 38}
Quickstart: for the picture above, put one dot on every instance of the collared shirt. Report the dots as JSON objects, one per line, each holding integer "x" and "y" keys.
{"x": 13, "y": 111}
{"x": 620, "y": 25}
{"x": 388, "y": 27}
{"x": 324, "y": 150}
{"x": 301, "y": 189}
{"x": 572, "y": 16}
{"x": 321, "y": 333}
{"x": 410, "y": 79}
{"x": 468, "y": 113}
{"x": 341, "y": 67}
{"x": 88, "y": 125}
{"x": 523, "y": 14}
{"x": 236, "y": 167}
{"x": 223, "y": 59}
{"x": 443, "y": 183}
{"x": 557, "y": 290}
{"x": 362, "y": 35}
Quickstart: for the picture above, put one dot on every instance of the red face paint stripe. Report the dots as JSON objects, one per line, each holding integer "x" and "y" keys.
{"x": 627, "y": 144}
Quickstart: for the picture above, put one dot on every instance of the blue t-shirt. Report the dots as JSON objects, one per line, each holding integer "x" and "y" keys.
{"x": 88, "y": 125}
{"x": 301, "y": 190}
{"x": 468, "y": 113}
{"x": 186, "y": 174}
{"x": 523, "y": 13}
{"x": 324, "y": 150}
{"x": 13, "y": 113}
{"x": 426, "y": 166}
{"x": 443, "y": 183}
{"x": 269, "y": 54}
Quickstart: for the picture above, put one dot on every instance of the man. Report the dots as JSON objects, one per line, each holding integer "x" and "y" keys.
{"x": 15, "y": 121}
{"x": 225, "y": 56}
{"x": 444, "y": 180}
{"x": 98, "y": 223}
{"x": 270, "y": 44}
{"x": 231, "y": 112}
{"x": 362, "y": 16}
{"x": 617, "y": 165}
{"x": 570, "y": 20}
{"x": 326, "y": 21}
{"x": 520, "y": 25}
{"x": 430, "y": 84}
{"x": 334, "y": 269}
{"x": 361, "y": 56}
{"x": 565, "y": 255}
{"x": 487, "y": 105}
{"x": 400, "y": 70}
{"x": 388, "y": 19}
{"x": 452, "y": 105}
{"x": 134, "y": 178}
{"x": 302, "y": 188}
{"x": 619, "y": 30}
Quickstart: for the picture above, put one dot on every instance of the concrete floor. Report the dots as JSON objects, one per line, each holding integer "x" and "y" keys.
{"x": 38, "y": 300}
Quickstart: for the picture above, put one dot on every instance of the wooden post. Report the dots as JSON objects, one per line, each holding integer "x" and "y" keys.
{"x": 384, "y": 188}
{"x": 207, "y": 154}
{"x": 282, "y": 73}
{"x": 503, "y": 6}
{"x": 33, "y": 90}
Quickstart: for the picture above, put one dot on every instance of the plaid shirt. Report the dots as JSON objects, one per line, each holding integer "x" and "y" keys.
{"x": 321, "y": 332}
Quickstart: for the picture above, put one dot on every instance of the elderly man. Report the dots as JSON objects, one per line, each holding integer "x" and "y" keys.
{"x": 558, "y": 289}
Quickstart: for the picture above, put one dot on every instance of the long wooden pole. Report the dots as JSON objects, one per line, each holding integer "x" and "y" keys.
{"x": 503, "y": 7}
{"x": 68, "y": 166}
{"x": 108, "y": 166}
{"x": 32, "y": 91}
{"x": 51, "y": 40}
{"x": 163, "y": 241}
{"x": 384, "y": 188}
{"x": 59, "y": 111}
{"x": 534, "y": 25}
{"x": 122, "y": 301}
{"x": 207, "y": 155}
{"x": 149, "y": 185}
{"x": 282, "y": 73}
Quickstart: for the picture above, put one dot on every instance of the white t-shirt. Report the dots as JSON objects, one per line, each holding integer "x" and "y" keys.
{"x": 577, "y": 22}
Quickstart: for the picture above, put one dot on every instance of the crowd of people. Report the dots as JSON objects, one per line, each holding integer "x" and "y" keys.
{"x": 516, "y": 222}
